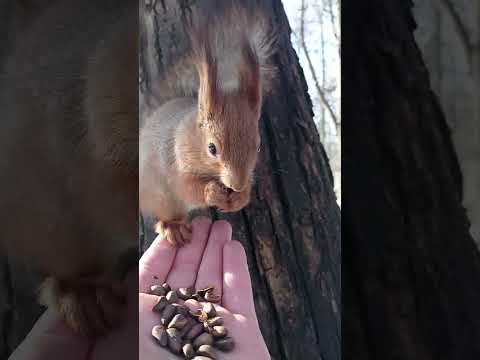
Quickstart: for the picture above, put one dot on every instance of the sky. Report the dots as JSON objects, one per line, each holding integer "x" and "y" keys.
{"x": 313, "y": 40}
{"x": 313, "y": 36}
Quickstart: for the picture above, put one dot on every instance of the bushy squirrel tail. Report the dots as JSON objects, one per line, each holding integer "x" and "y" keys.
{"x": 226, "y": 41}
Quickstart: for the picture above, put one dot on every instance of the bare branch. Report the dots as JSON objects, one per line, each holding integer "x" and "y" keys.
{"x": 332, "y": 19}
{"x": 321, "y": 93}
{"x": 335, "y": 29}
{"x": 460, "y": 27}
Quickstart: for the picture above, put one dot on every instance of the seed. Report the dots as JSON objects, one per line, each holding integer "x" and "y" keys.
{"x": 196, "y": 330}
{"x": 206, "y": 350}
{"x": 206, "y": 327}
{"x": 172, "y": 332}
{"x": 225, "y": 344}
{"x": 157, "y": 290}
{"x": 160, "y": 335}
{"x": 210, "y": 310}
{"x": 219, "y": 331}
{"x": 212, "y": 297}
{"x": 175, "y": 344}
{"x": 167, "y": 314}
{"x": 178, "y": 322}
{"x": 198, "y": 297}
{"x": 161, "y": 303}
{"x": 172, "y": 297}
{"x": 202, "y": 292}
{"x": 201, "y": 326}
{"x": 188, "y": 351}
{"x": 203, "y": 316}
{"x": 166, "y": 287}
{"x": 203, "y": 339}
{"x": 200, "y": 315}
{"x": 185, "y": 293}
{"x": 216, "y": 321}
{"x": 188, "y": 326}
{"x": 182, "y": 309}
{"x": 174, "y": 341}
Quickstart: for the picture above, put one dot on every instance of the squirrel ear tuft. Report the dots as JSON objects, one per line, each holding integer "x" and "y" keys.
{"x": 206, "y": 65}
{"x": 250, "y": 77}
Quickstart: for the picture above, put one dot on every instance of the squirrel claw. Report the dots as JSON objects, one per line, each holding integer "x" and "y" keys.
{"x": 177, "y": 234}
{"x": 90, "y": 309}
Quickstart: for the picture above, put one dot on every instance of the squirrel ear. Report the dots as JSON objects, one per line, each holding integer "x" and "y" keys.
{"x": 207, "y": 93}
{"x": 250, "y": 77}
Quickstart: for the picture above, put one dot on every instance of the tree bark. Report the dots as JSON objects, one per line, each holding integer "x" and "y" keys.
{"x": 291, "y": 229}
{"x": 19, "y": 308}
{"x": 410, "y": 267}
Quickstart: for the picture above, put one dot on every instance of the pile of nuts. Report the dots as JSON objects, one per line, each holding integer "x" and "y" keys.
{"x": 193, "y": 334}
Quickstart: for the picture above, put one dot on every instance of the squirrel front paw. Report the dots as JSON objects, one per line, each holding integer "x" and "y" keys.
{"x": 225, "y": 199}
{"x": 176, "y": 233}
{"x": 88, "y": 308}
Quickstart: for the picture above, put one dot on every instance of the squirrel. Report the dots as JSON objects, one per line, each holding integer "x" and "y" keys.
{"x": 69, "y": 154}
{"x": 199, "y": 147}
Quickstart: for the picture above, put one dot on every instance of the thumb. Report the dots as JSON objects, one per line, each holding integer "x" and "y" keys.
{"x": 50, "y": 338}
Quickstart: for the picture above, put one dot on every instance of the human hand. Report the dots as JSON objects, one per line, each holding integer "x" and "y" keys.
{"x": 51, "y": 338}
{"x": 210, "y": 259}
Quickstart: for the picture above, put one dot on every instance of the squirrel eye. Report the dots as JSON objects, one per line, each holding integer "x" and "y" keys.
{"x": 212, "y": 149}
{"x": 259, "y": 147}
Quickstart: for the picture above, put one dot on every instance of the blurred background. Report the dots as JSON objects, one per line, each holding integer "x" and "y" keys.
{"x": 448, "y": 35}
{"x": 316, "y": 38}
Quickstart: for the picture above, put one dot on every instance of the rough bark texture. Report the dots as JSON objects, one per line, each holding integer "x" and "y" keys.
{"x": 410, "y": 268}
{"x": 447, "y": 36}
{"x": 291, "y": 229}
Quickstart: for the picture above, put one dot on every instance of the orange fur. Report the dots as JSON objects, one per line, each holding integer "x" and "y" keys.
{"x": 177, "y": 171}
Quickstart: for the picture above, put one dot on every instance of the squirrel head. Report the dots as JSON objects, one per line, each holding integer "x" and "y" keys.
{"x": 227, "y": 120}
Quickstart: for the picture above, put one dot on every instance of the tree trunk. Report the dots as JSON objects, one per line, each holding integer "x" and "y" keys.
{"x": 291, "y": 229}
{"x": 411, "y": 270}
{"x": 19, "y": 308}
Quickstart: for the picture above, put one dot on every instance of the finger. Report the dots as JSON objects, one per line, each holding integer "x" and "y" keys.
{"x": 187, "y": 260}
{"x": 210, "y": 272}
{"x": 148, "y": 348}
{"x": 51, "y": 338}
{"x": 237, "y": 286}
{"x": 155, "y": 263}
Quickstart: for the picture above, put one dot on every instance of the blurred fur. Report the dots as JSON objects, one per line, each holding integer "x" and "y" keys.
{"x": 69, "y": 144}
{"x": 222, "y": 26}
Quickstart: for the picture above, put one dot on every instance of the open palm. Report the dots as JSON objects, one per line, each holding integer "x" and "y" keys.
{"x": 211, "y": 259}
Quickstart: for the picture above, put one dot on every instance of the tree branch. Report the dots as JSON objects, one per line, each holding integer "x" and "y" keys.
{"x": 321, "y": 93}
{"x": 460, "y": 27}
{"x": 332, "y": 20}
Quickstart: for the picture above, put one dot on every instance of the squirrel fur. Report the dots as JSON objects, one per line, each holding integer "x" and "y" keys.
{"x": 69, "y": 149}
{"x": 200, "y": 143}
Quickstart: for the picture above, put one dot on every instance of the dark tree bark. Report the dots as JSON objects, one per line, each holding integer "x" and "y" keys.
{"x": 291, "y": 229}
{"x": 19, "y": 307}
{"x": 411, "y": 270}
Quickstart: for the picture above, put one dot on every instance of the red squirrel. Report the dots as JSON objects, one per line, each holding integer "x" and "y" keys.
{"x": 199, "y": 148}
{"x": 69, "y": 153}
